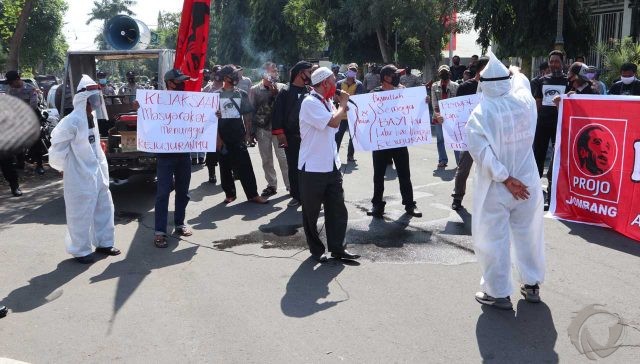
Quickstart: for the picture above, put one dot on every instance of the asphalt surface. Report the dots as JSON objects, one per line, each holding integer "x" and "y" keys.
{"x": 242, "y": 289}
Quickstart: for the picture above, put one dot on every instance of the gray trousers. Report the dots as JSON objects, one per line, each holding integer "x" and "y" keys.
{"x": 318, "y": 188}
{"x": 462, "y": 173}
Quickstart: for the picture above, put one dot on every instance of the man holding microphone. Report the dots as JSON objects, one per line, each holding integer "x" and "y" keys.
{"x": 319, "y": 164}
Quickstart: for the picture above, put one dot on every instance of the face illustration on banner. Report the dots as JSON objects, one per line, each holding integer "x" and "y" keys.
{"x": 595, "y": 150}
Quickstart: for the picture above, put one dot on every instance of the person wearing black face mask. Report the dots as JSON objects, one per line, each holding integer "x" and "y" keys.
{"x": 442, "y": 89}
{"x": 390, "y": 80}
{"x": 234, "y": 131}
{"x": 285, "y": 122}
{"x": 546, "y": 89}
{"x": 173, "y": 170}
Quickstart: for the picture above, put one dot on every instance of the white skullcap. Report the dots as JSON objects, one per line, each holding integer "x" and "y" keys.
{"x": 320, "y": 75}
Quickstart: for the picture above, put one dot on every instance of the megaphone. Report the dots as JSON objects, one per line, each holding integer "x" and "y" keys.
{"x": 124, "y": 33}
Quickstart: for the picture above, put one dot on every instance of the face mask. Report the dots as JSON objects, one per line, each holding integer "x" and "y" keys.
{"x": 395, "y": 80}
{"x": 131, "y": 80}
{"x": 330, "y": 93}
{"x": 305, "y": 79}
{"x": 351, "y": 74}
{"x": 456, "y": 61}
{"x": 179, "y": 86}
{"x": 444, "y": 76}
{"x": 102, "y": 81}
{"x": 206, "y": 78}
{"x": 627, "y": 80}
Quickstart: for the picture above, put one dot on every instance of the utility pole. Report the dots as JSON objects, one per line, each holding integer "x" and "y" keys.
{"x": 559, "y": 44}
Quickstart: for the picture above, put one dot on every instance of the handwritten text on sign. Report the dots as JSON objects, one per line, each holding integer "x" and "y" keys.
{"x": 390, "y": 119}
{"x": 456, "y": 112}
{"x": 177, "y": 121}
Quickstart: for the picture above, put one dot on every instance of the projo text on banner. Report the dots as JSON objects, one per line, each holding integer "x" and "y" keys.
{"x": 596, "y": 174}
{"x": 455, "y": 112}
{"x": 390, "y": 119}
{"x": 177, "y": 121}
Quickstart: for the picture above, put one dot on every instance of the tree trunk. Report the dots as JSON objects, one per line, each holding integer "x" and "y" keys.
{"x": 16, "y": 40}
{"x": 383, "y": 45}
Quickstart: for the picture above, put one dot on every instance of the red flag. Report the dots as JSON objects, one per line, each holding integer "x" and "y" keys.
{"x": 597, "y": 162}
{"x": 191, "y": 49}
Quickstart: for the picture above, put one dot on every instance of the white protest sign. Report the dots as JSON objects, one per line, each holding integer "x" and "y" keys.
{"x": 177, "y": 121}
{"x": 456, "y": 112}
{"x": 389, "y": 119}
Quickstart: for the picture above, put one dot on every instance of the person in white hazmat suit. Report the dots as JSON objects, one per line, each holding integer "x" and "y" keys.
{"x": 507, "y": 203}
{"x": 75, "y": 150}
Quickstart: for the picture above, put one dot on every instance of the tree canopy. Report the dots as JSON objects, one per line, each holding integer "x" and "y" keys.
{"x": 528, "y": 28}
{"x": 43, "y": 47}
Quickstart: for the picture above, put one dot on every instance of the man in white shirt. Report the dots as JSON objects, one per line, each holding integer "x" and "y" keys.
{"x": 319, "y": 164}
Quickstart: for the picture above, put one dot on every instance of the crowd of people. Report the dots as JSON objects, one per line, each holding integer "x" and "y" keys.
{"x": 303, "y": 123}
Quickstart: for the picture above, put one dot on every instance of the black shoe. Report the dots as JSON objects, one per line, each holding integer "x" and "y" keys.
{"x": 320, "y": 258}
{"x": 194, "y": 161}
{"x": 40, "y": 170}
{"x": 108, "y": 250}
{"x": 345, "y": 255}
{"x": 16, "y": 192}
{"x": 456, "y": 204}
{"x": 212, "y": 179}
{"x": 269, "y": 191}
{"x": 376, "y": 211}
{"x": 87, "y": 259}
{"x": 3, "y": 311}
{"x": 200, "y": 160}
{"x": 350, "y": 158}
{"x": 413, "y": 211}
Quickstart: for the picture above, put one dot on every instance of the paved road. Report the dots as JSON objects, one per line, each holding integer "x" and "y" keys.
{"x": 241, "y": 289}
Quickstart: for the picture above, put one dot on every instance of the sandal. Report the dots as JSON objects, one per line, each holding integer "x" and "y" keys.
{"x": 160, "y": 241}
{"x": 229, "y": 199}
{"x": 183, "y": 231}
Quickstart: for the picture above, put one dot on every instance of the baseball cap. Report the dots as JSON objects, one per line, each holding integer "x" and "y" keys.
{"x": 320, "y": 75}
{"x": 579, "y": 69}
{"x": 389, "y": 70}
{"x": 12, "y": 76}
{"x": 227, "y": 70}
{"x": 444, "y": 67}
{"x": 175, "y": 75}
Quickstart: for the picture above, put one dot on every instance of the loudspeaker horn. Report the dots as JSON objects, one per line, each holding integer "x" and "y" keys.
{"x": 124, "y": 33}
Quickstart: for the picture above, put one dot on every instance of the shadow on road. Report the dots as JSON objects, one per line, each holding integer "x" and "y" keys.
{"x": 605, "y": 237}
{"x": 45, "y": 288}
{"x": 525, "y": 336}
{"x": 220, "y": 212}
{"x": 445, "y": 174}
{"x": 308, "y": 288}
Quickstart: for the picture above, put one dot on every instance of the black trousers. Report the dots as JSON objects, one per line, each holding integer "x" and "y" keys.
{"x": 545, "y": 133}
{"x": 318, "y": 188}
{"x": 344, "y": 126}
{"x": 462, "y": 173}
{"x": 400, "y": 157}
{"x": 211, "y": 162}
{"x": 8, "y": 171}
{"x": 237, "y": 159}
{"x": 292, "y": 152}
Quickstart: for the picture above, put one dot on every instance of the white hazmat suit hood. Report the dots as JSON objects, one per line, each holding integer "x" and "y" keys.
{"x": 500, "y": 134}
{"x": 75, "y": 150}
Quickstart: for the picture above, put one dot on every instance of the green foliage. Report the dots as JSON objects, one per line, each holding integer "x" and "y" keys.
{"x": 615, "y": 54}
{"x": 528, "y": 28}
{"x": 272, "y": 36}
{"x": 306, "y": 19}
{"x": 233, "y": 40}
{"x": 43, "y": 47}
{"x": 168, "y": 25}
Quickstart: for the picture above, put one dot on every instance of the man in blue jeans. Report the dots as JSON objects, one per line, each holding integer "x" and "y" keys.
{"x": 173, "y": 172}
{"x": 442, "y": 89}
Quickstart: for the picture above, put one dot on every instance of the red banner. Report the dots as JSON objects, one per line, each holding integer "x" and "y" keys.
{"x": 191, "y": 49}
{"x": 596, "y": 174}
